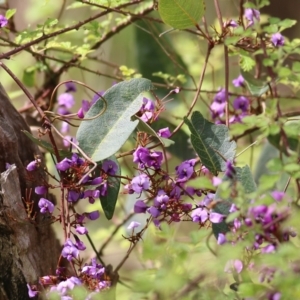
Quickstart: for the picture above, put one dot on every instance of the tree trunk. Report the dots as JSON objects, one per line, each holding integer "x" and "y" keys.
{"x": 28, "y": 248}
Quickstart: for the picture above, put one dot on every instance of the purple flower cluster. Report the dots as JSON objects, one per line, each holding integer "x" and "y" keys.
{"x": 267, "y": 221}
{"x": 147, "y": 111}
{"x": 147, "y": 158}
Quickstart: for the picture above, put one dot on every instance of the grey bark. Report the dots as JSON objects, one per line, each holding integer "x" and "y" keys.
{"x": 28, "y": 249}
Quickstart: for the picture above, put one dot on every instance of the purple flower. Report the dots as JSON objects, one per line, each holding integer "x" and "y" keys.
{"x": 45, "y": 206}
{"x": 81, "y": 230}
{"x": 140, "y": 207}
{"x": 94, "y": 215}
{"x": 64, "y": 286}
{"x": 40, "y": 190}
{"x": 164, "y": 132}
{"x": 70, "y": 251}
{"x": 144, "y": 157}
{"x": 65, "y": 127}
{"x": 96, "y": 97}
{"x": 79, "y": 244}
{"x": 76, "y": 160}
{"x": 3, "y": 21}
{"x": 133, "y": 225}
{"x": 277, "y": 195}
{"x": 73, "y": 196}
{"x": 147, "y": 110}
{"x": 140, "y": 183}
{"x": 216, "y": 217}
{"x": 185, "y": 170}
{"x": 221, "y": 239}
{"x": 277, "y": 39}
{"x": 230, "y": 23}
{"x": 109, "y": 167}
{"x": 239, "y": 81}
{"x": 66, "y": 100}
{"x": 230, "y": 171}
{"x": 251, "y": 15}
{"x": 70, "y": 87}
{"x": 140, "y": 155}
{"x": 31, "y": 293}
{"x": 234, "y": 265}
{"x": 216, "y": 181}
{"x": 199, "y": 215}
{"x": 153, "y": 211}
{"x": 62, "y": 110}
{"x": 241, "y": 103}
{"x": 96, "y": 181}
{"x": 94, "y": 270}
{"x": 33, "y": 165}
{"x": 219, "y": 103}
{"x": 64, "y": 165}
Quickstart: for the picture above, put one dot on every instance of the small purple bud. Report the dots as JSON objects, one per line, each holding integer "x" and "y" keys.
{"x": 41, "y": 190}
{"x": 70, "y": 87}
{"x": 133, "y": 225}
{"x": 64, "y": 165}
{"x": 221, "y": 239}
{"x": 94, "y": 215}
{"x": 164, "y": 132}
{"x": 33, "y": 165}
{"x": 96, "y": 181}
{"x": 31, "y": 293}
{"x": 140, "y": 207}
{"x": 153, "y": 211}
{"x": 81, "y": 230}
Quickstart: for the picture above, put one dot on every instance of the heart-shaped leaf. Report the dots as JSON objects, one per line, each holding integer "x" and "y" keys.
{"x": 104, "y": 136}
{"x": 211, "y": 142}
{"x": 181, "y": 14}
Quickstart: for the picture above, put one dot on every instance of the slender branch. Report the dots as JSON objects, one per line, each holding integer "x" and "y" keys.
{"x": 209, "y": 48}
{"x": 78, "y": 25}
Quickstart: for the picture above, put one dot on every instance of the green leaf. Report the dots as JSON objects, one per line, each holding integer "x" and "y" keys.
{"x": 291, "y": 130}
{"x": 46, "y": 145}
{"x": 109, "y": 201}
{"x": 211, "y": 142}
{"x": 181, "y": 14}
{"x": 29, "y": 76}
{"x": 104, "y": 136}
{"x": 9, "y": 13}
{"x": 244, "y": 176}
{"x": 247, "y": 63}
{"x": 296, "y": 66}
{"x": 256, "y": 87}
{"x": 286, "y": 23}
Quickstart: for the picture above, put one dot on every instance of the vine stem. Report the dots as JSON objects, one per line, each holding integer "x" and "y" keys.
{"x": 209, "y": 48}
{"x": 226, "y": 61}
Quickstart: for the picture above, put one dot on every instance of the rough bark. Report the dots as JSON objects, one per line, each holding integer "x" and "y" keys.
{"x": 27, "y": 249}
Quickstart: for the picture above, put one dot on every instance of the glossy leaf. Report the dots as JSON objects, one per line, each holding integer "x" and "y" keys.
{"x": 104, "y": 136}
{"x": 244, "y": 176}
{"x": 109, "y": 201}
{"x": 211, "y": 142}
{"x": 181, "y": 14}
